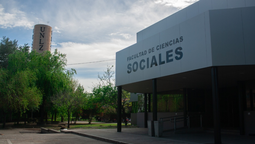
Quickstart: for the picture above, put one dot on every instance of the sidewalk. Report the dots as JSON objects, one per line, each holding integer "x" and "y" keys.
{"x": 102, "y": 136}
{"x": 140, "y": 135}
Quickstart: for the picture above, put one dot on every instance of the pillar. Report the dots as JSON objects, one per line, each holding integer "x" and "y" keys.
{"x": 154, "y": 87}
{"x": 119, "y": 109}
{"x": 216, "y": 105}
{"x": 251, "y": 100}
{"x": 145, "y": 111}
{"x": 149, "y": 101}
{"x": 241, "y": 94}
{"x": 185, "y": 106}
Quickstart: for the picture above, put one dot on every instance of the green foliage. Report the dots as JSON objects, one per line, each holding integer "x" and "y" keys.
{"x": 7, "y": 47}
{"x": 29, "y": 80}
{"x": 18, "y": 84}
{"x": 170, "y": 102}
{"x": 138, "y": 105}
{"x": 71, "y": 99}
{"x": 105, "y": 95}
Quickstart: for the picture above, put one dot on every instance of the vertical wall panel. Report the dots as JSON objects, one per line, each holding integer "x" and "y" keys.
{"x": 227, "y": 37}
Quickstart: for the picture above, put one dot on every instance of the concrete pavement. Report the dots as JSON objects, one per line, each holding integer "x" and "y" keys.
{"x": 101, "y": 136}
{"x": 140, "y": 136}
{"x": 29, "y": 136}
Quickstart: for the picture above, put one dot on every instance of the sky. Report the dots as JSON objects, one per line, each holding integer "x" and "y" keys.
{"x": 89, "y": 32}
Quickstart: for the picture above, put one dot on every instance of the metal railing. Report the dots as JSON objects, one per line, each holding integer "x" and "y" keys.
{"x": 175, "y": 119}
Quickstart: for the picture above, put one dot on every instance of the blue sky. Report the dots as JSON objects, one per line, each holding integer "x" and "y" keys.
{"x": 85, "y": 30}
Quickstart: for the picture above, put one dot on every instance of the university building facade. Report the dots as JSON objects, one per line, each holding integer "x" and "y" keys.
{"x": 206, "y": 54}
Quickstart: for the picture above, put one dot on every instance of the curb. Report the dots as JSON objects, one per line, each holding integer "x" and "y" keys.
{"x": 45, "y": 130}
{"x": 95, "y": 137}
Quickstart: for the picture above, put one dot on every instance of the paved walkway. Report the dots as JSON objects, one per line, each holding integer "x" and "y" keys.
{"x": 128, "y": 135}
{"x": 140, "y": 136}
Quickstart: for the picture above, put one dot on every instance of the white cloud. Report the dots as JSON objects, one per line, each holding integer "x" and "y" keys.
{"x": 56, "y": 29}
{"x": 124, "y": 35}
{"x": 80, "y": 52}
{"x": 14, "y": 18}
{"x": 87, "y": 83}
{"x": 86, "y": 30}
{"x": 176, "y": 3}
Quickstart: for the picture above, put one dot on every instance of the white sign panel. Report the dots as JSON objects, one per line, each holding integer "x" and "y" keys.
{"x": 181, "y": 48}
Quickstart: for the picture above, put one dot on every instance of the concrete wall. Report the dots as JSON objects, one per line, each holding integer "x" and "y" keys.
{"x": 133, "y": 118}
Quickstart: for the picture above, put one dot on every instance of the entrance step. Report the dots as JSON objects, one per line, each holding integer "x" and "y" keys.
{"x": 224, "y": 131}
{"x": 185, "y": 130}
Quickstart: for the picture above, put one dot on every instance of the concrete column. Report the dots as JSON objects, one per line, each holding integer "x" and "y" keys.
{"x": 155, "y": 113}
{"x": 185, "y": 106}
{"x": 149, "y": 101}
{"x": 119, "y": 109}
{"x": 216, "y": 105}
{"x": 145, "y": 111}
{"x": 251, "y": 100}
{"x": 241, "y": 94}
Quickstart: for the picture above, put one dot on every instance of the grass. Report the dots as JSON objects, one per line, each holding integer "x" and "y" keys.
{"x": 101, "y": 125}
{"x": 95, "y": 126}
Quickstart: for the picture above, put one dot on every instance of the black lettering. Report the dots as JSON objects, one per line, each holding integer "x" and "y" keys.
{"x": 177, "y": 40}
{"x": 160, "y": 60}
{"x": 154, "y": 61}
{"x": 41, "y": 47}
{"x": 129, "y": 68}
{"x": 170, "y": 43}
{"x": 135, "y": 66}
{"x": 142, "y": 67}
{"x": 163, "y": 45}
{"x": 42, "y": 34}
{"x": 181, "y": 38}
{"x": 42, "y": 30}
{"x": 40, "y": 41}
{"x": 168, "y": 56}
{"x": 166, "y": 44}
{"x": 179, "y": 53}
{"x": 157, "y": 47}
{"x": 147, "y": 62}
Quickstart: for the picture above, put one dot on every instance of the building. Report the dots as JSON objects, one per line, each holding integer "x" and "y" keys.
{"x": 204, "y": 52}
{"x": 42, "y": 37}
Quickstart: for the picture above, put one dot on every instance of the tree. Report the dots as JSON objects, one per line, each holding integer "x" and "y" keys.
{"x": 7, "y": 47}
{"x": 70, "y": 99}
{"x": 106, "y": 94}
{"x": 51, "y": 77}
{"x": 18, "y": 90}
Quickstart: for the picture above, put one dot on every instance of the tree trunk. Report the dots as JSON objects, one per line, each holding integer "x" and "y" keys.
{"x": 25, "y": 120}
{"x": 52, "y": 117}
{"x": 42, "y": 111}
{"x": 4, "y": 119}
{"x": 68, "y": 118}
{"x": 55, "y": 115}
{"x": 18, "y": 118}
{"x": 46, "y": 118}
{"x": 90, "y": 119}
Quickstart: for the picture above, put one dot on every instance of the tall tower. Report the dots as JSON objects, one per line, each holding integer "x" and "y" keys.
{"x": 42, "y": 38}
